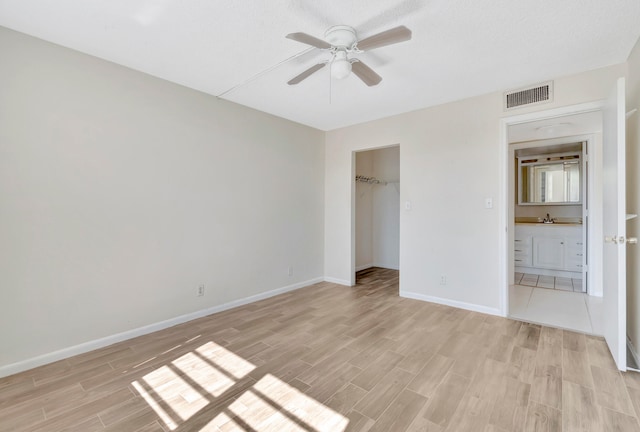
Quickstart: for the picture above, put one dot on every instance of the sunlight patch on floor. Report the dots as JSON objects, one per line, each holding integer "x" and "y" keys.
{"x": 207, "y": 377}
{"x": 179, "y": 390}
{"x": 155, "y": 405}
{"x": 225, "y": 359}
{"x": 303, "y": 407}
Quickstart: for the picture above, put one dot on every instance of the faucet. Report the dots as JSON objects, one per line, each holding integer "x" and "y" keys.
{"x": 548, "y": 219}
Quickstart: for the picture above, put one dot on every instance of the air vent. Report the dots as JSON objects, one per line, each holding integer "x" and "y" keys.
{"x": 542, "y": 93}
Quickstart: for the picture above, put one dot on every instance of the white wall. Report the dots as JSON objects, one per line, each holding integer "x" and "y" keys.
{"x": 378, "y": 209}
{"x": 450, "y": 163}
{"x": 120, "y": 193}
{"x": 633, "y": 198}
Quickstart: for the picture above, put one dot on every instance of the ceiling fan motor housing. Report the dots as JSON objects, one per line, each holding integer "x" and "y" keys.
{"x": 341, "y": 36}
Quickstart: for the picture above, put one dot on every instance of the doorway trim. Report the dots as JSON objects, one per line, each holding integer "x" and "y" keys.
{"x": 506, "y": 223}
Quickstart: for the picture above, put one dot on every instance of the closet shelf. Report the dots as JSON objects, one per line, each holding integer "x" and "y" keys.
{"x": 371, "y": 180}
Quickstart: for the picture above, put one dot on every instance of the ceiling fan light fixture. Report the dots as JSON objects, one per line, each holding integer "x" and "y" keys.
{"x": 340, "y": 69}
{"x": 340, "y": 66}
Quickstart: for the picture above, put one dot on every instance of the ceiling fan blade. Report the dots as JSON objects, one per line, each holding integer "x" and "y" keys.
{"x": 313, "y": 69}
{"x": 388, "y": 37}
{"x": 365, "y": 73}
{"x": 309, "y": 40}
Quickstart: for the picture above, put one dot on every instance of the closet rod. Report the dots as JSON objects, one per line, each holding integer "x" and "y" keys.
{"x": 370, "y": 180}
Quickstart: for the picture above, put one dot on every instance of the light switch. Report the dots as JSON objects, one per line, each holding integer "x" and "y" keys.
{"x": 407, "y": 205}
{"x": 488, "y": 203}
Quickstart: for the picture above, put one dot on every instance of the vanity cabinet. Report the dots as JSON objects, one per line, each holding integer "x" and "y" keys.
{"x": 548, "y": 252}
{"x": 548, "y": 249}
{"x": 574, "y": 254}
{"x": 522, "y": 250}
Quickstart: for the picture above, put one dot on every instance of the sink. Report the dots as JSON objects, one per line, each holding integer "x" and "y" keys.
{"x": 538, "y": 221}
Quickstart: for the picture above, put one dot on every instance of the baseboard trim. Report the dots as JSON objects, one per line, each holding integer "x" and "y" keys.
{"x": 547, "y": 272}
{"x": 453, "y": 303}
{"x": 385, "y": 266}
{"x": 82, "y": 348}
{"x": 337, "y": 281}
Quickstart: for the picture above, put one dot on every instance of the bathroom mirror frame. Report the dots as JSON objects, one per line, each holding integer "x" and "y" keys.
{"x": 527, "y": 163}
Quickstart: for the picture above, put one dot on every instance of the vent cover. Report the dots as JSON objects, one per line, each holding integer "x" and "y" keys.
{"x": 541, "y": 93}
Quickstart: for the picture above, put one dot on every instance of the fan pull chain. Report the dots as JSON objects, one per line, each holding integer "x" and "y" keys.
{"x": 330, "y": 84}
{"x": 259, "y": 74}
{"x": 330, "y": 80}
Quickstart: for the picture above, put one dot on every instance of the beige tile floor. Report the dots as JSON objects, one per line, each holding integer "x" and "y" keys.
{"x": 551, "y": 282}
{"x": 563, "y": 309}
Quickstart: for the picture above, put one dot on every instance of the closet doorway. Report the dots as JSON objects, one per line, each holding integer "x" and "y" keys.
{"x": 377, "y": 210}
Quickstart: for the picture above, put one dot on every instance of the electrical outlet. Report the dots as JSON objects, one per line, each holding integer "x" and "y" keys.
{"x": 443, "y": 280}
{"x": 201, "y": 290}
{"x": 290, "y": 271}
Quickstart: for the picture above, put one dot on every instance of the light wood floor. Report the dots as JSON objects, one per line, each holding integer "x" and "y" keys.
{"x": 333, "y": 358}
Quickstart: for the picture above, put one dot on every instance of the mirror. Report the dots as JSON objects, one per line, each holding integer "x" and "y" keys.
{"x": 549, "y": 180}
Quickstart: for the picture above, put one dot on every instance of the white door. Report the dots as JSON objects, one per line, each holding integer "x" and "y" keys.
{"x": 614, "y": 215}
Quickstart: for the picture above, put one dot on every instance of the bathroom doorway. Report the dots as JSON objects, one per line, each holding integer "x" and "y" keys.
{"x": 377, "y": 209}
{"x": 551, "y": 194}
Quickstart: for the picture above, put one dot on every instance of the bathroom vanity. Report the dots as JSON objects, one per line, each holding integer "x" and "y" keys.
{"x": 549, "y": 249}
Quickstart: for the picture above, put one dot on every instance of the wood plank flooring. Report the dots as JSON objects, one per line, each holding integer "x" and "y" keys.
{"x": 333, "y": 358}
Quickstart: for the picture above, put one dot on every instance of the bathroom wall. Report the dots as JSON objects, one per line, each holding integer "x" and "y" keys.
{"x": 562, "y": 211}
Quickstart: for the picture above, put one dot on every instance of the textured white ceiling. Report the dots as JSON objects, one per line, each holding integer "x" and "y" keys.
{"x": 460, "y": 48}
{"x": 565, "y": 126}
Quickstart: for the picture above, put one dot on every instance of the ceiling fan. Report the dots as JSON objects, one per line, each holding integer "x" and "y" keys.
{"x": 341, "y": 41}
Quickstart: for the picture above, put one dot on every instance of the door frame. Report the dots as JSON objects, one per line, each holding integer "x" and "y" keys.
{"x": 614, "y": 223}
{"x": 507, "y": 191}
